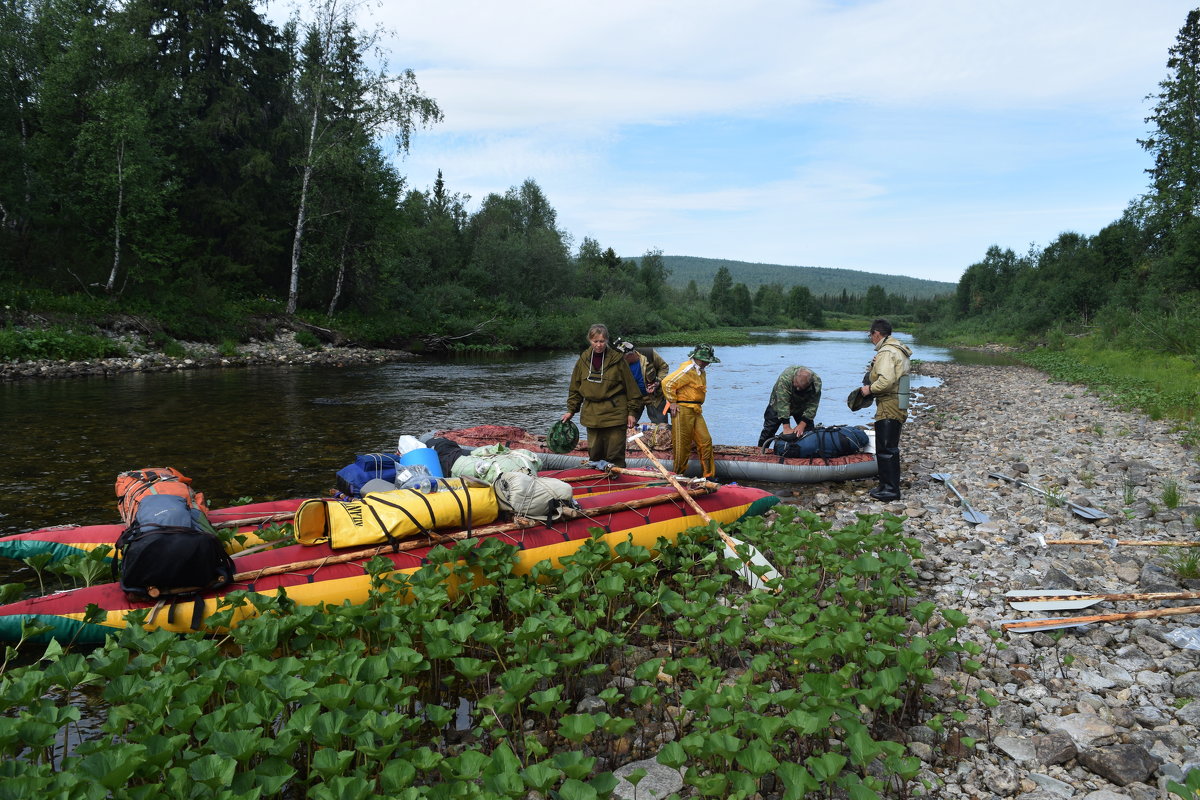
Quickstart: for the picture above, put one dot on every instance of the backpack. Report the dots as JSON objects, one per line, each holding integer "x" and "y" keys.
{"x": 832, "y": 442}
{"x": 133, "y": 486}
{"x": 169, "y": 554}
{"x": 533, "y": 496}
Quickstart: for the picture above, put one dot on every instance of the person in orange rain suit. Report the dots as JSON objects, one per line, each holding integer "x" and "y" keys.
{"x": 685, "y": 389}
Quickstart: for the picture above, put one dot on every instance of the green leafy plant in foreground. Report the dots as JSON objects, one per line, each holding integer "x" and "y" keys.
{"x": 514, "y": 683}
{"x": 1189, "y": 789}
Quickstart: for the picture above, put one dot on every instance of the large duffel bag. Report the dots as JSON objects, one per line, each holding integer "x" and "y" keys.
{"x": 389, "y": 517}
{"x": 831, "y": 442}
{"x": 490, "y": 462}
{"x": 533, "y": 496}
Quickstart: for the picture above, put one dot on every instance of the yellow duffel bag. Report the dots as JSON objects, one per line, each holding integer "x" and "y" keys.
{"x": 393, "y": 516}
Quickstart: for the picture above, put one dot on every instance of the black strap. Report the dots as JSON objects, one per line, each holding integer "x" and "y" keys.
{"x": 467, "y": 517}
{"x": 392, "y": 540}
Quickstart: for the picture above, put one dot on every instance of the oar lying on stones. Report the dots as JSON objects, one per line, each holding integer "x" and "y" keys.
{"x": 1086, "y": 512}
{"x": 969, "y": 514}
{"x": 1113, "y": 544}
{"x": 1069, "y": 599}
{"x": 1032, "y": 625}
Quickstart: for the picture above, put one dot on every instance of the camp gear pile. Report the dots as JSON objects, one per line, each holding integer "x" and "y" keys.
{"x": 168, "y": 552}
{"x": 489, "y": 462}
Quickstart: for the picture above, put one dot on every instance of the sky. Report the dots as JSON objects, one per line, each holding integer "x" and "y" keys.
{"x": 901, "y": 137}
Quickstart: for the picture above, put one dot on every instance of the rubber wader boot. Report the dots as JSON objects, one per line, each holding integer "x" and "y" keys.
{"x": 887, "y": 457}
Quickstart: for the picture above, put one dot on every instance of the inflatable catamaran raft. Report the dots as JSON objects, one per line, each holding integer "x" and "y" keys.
{"x": 624, "y": 508}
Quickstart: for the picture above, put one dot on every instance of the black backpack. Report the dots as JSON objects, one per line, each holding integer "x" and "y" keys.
{"x": 171, "y": 563}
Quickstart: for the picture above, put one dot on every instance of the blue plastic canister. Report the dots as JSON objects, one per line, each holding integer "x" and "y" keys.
{"x": 426, "y": 457}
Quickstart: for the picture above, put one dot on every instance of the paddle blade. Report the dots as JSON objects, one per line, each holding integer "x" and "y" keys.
{"x": 1065, "y": 604}
{"x": 757, "y": 559}
{"x": 1087, "y": 513}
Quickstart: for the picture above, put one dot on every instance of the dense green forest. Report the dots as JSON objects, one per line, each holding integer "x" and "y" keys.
{"x": 819, "y": 280}
{"x": 1135, "y": 283}
{"x": 194, "y": 165}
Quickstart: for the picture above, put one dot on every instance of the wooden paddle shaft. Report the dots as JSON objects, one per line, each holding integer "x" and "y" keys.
{"x": 237, "y": 523}
{"x": 415, "y": 544}
{"x": 1034, "y": 624}
{"x": 1050, "y": 598}
{"x": 1126, "y": 542}
{"x": 725, "y": 537}
{"x": 637, "y": 438}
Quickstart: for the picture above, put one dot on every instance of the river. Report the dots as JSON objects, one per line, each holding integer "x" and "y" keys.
{"x": 273, "y": 432}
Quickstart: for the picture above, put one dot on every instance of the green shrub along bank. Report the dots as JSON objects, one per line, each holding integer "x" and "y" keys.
{"x": 781, "y": 694}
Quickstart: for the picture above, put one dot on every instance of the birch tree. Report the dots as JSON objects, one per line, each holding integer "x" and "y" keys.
{"x": 346, "y": 105}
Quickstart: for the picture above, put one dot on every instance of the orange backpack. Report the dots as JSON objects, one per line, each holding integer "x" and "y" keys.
{"x": 136, "y": 484}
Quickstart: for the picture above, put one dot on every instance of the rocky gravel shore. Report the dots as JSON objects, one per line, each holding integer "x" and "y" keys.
{"x": 1106, "y": 710}
{"x": 279, "y": 351}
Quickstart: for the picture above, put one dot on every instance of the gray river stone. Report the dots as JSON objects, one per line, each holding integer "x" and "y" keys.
{"x": 659, "y": 781}
{"x": 1122, "y": 764}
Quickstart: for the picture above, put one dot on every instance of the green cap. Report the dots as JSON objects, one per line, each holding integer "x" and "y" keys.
{"x": 704, "y": 352}
{"x": 856, "y": 400}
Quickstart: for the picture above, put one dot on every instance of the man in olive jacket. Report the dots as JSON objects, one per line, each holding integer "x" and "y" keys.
{"x": 887, "y": 382}
{"x": 603, "y": 390}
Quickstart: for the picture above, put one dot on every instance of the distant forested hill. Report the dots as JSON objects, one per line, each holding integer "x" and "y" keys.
{"x": 819, "y": 280}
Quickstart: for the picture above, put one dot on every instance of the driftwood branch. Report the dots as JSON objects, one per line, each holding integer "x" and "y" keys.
{"x": 443, "y": 342}
{"x": 325, "y": 334}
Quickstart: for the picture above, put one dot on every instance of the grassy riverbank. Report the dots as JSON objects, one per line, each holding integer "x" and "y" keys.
{"x": 1164, "y": 387}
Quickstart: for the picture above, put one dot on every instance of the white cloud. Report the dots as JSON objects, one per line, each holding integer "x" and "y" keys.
{"x": 893, "y": 136}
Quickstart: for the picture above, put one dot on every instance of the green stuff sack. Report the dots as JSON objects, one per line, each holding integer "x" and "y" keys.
{"x": 488, "y": 463}
{"x": 563, "y": 437}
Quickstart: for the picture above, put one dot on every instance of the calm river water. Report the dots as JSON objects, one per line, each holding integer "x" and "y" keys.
{"x": 269, "y": 433}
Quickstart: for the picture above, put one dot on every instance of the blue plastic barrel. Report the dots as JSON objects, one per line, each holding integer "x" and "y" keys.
{"x": 426, "y": 457}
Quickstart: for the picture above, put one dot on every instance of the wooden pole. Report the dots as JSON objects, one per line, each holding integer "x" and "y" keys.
{"x": 280, "y": 516}
{"x": 730, "y": 542}
{"x": 1124, "y": 542}
{"x": 1071, "y": 622}
{"x": 1050, "y": 598}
